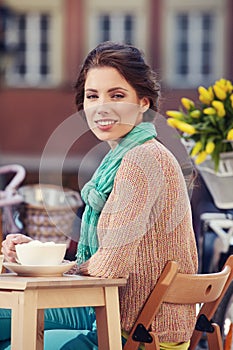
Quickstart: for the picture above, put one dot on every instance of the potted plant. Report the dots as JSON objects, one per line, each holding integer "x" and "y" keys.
{"x": 208, "y": 124}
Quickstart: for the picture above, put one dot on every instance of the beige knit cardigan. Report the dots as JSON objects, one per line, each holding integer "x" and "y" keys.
{"x": 145, "y": 222}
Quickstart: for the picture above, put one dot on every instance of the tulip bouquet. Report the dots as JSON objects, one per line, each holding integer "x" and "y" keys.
{"x": 208, "y": 124}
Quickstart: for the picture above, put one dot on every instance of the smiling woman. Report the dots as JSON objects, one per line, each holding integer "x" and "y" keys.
{"x": 137, "y": 212}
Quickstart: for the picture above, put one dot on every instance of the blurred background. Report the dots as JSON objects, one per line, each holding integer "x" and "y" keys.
{"x": 42, "y": 46}
{"x": 43, "y": 43}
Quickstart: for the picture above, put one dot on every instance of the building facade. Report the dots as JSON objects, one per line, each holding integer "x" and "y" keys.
{"x": 43, "y": 43}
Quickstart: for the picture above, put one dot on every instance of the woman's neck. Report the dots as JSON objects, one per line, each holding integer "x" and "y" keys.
{"x": 113, "y": 144}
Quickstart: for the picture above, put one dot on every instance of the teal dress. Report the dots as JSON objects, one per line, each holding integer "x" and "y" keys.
{"x": 65, "y": 329}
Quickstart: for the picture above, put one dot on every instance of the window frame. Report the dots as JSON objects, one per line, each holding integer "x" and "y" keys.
{"x": 139, "y": 10}
{"x": 55, "y": 56}
{"x": 193, "y": 9}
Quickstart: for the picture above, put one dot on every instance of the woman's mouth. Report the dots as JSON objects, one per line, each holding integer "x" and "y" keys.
{"x": 105, "y": 124}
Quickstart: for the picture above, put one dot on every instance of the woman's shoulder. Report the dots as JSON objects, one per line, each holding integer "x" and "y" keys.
{"x": 153, "y": 157}
{"x": 151, "y": 149}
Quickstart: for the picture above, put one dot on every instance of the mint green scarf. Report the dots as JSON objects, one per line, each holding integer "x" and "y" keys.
{"x": 95, "y": 193}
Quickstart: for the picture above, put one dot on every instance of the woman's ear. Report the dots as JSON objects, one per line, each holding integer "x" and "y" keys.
{"x": 144, "y": 104}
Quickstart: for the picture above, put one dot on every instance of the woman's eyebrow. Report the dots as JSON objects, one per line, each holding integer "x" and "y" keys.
{"x": 89, "y": 89}
{"x": 117, "y": 88}
{"x": 109, "y": 90}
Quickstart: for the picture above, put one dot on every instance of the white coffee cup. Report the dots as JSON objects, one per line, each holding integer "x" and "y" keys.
{"x": 38, "y": 253}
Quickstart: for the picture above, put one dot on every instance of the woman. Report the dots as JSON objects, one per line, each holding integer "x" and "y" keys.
{"x": 137, "y": 214}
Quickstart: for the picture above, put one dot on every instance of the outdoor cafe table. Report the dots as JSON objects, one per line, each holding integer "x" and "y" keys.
{"x": 29, "y": 296}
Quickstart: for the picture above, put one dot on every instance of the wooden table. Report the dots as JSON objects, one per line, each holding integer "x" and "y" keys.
{"x": 28, "y": 296}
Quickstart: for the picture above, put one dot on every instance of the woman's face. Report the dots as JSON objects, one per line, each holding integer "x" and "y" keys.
{"x": 111, "y": 104}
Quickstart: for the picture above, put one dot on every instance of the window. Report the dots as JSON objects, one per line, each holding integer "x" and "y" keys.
{"x": 117, "y": 27}
{"x": 34, "y": 40}
{"x": 194, "y": 44}
{"x": 121, "y": 21}
{"x": 31, "y": 64}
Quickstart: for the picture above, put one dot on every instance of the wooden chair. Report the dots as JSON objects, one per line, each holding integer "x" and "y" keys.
{"x": 178, "y": 288}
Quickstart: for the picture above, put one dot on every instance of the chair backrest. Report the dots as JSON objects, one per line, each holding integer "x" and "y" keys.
{"x": 178, "y": 288}
{"x": 199, "y": 288}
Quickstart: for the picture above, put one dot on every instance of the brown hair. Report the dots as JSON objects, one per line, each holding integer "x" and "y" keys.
{"x": 129, "y": 61}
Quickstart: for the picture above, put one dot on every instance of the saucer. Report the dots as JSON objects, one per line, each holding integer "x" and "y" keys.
{"x": 39, "y": 271}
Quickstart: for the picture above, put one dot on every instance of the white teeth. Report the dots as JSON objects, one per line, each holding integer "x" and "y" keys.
{"x": 105, "y": 122}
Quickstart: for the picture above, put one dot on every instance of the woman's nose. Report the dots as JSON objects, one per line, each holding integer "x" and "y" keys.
{"x": 103, "y": 106}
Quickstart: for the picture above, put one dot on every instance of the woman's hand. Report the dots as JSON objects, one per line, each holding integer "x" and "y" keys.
{"x": 8, "y": 245}
{"x": 74, "y": 270}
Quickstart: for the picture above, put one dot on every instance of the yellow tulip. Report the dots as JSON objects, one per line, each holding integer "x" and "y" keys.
{"x": 210, "y": 146}
{"x": 195, "y": 114}
{"x": 219, "y": 92}
{"x": 185, "y": 127}
{"x": 221, "y": 82}
{"x": 182, "y": 126}
{"x": 210, "y": 91}
{"x": 175, "y": 114}
{"x": 205, "y": 96}
{"x": 187, "y": 103}
{"x": 172, "y": 122}
{"x": 231, "y": 98}
{"x": 230, "y": 135}
{"x": 229, "y": 86}
{"x": 224, "y": 84}
{"x": 219, "y": 106}
{"x": 201, "y": 157}
{"x": 203, "y": 100}
{"x": 196, "y": 149}
{"x": 209, "y": 111}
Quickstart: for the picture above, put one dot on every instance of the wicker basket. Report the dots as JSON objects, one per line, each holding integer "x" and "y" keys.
{"x": 220, "y": 184}
{"x": 48, "y": 212}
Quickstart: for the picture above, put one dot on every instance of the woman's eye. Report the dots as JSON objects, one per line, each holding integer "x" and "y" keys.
{"x": 118, "y": 96}
{"x": 90, "y": 97}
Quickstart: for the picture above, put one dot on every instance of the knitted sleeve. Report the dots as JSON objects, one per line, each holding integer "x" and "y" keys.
{"x": 139, "y": 183}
